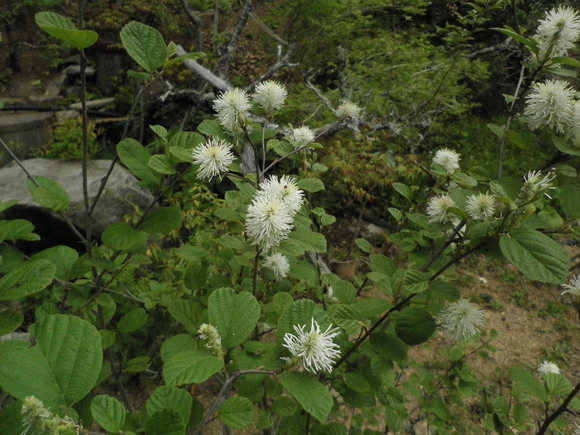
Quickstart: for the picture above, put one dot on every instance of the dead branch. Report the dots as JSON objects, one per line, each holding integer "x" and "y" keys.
{"x": 497, "y": 47}
{"x": 283, "y": 61}
{"x": 267, "y": 30}
{"x": 204, "y": 73}
{"x": 223, "y": 64}
{"x": 198, "y": 25}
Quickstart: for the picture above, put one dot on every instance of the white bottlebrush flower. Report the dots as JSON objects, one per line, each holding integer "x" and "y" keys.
{"x": 270, "y": 95}
{"x": 277, "y": 263}
{"x": 438, "y": 209}
{"x": 284, "y": 189}
{"x": 314, "y": 349}
{"x": 558, "y": 32}
{"x": 573, "y": 287}
{"x": 461, "y": 320}
{"x": 547, "y": 367}
{"x": 534, "y": 184}
{"x": 551, "y": 104}
{"x": 348, "y": 110}
{"x": 447, "y": 158}
{"x": 302, "y": 136}
{"x": 214, "y": 157}
{"x": 232, "y": 109}
{"x": 480, "y": 207}
{"x": 40, "y": 419}
{"x": 214, "y": 340}
{"x": 268, "y": 221}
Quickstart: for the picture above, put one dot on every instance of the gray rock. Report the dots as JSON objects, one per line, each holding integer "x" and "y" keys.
{"x": 120, "y": 196}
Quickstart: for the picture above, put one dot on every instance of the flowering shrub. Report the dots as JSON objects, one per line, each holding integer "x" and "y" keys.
{"x": 244, "y": 311}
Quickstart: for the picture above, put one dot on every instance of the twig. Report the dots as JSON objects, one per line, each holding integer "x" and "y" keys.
{"x": 561, "y": 409}
{"x": 198, "y": 25}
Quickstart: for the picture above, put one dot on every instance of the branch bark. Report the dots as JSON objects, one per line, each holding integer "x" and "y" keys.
{"x": 204, "y": 73}
{"x": 223, "y": 64}
{"x": 198, "y": 25}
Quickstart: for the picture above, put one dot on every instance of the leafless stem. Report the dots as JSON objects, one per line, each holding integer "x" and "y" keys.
{"x": 198, "y": 25}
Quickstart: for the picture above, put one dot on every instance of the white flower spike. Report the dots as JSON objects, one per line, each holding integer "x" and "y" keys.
{"x": 447, "y": 158}
{"x": 480, "y": 207}
{"x": 558, "y": 32}
{"x": 232, "y": 109}
{"x": 547, "y": 367}
{"x": 270, "y": 95}
{"x": 573, "y": 287}
{"x": 284, "y": 189}
{"x": 277, "y": 263}
{"x": 438, "y": 209}
{"x": 268, "y": 221}
{"x": 348, "y": 110}
{"x": 302, "y": 136}
{"x": 461, "y": 320}
{"x": 551, "y": 104}
{"x": 214, "y": 157}
{"x": 314, "y": 349}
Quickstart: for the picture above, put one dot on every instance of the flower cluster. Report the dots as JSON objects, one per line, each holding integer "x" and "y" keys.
{"x": 447, "y": 158}
{"x": 38, "y": 417}
{"x": 438, "y": 209}
{"x": 534, "y": 185}
{"x": 213, "y": 157}
{"x": 313, "y": 349}
{"x": 481, "y": 207}
{"x": 277, "y": 263}
{"x": 461, "y": 320}
{"x": 214, "y": 341}
{"x": 551, "y": 104}
{"x": 348, "y": 110}
{"x": 302, "y": 136}
{"x": 270, "y": 95}
{"x": 270, "y": 215}
{"x": 557, "y": 33}
{"x": 547, "y": 367}
{"x": 573, "y": 287}
{"x": 232, "y": 110}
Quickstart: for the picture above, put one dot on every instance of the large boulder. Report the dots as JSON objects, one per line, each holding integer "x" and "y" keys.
{"x": 119, "y": 197}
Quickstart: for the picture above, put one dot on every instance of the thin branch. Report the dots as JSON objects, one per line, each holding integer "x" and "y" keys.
{"x": 223, "y": 63}
{"x": 198, "y": 25}
{"x": 561, "y": 409}
{"x": 283, "y": 61}
{"x": 203, "y": 72}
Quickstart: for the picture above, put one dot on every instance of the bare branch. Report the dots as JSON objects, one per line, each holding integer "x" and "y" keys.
{"x": 267, "y": 30}
{"x": 204, "y": 73}
{"x": 198, "y": 25}
{"x": 223, "y": 64}
{"x": 282, "y": 62}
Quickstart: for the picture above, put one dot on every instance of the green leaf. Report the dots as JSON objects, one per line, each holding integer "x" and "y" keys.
{"x": 508, "y": 31}
{"x": 9, "y": 321}
{"x": 61, "y": 369}
{"x": 162, "y": 220}
{"x": 177, "y": 344}
{"x": 62, "y": 257}
{"x": 181, "y": 154}
{"x": 415, "y": 326}
{"x": 160, "y": 131}
{"x": 186, "y": 312}
{"x": 389, "y": 346}
{"x": 403, "y": 190}
{"x": 213, "y": 129}
{"x": 5, "y": 205}
{"x": 108, "y": 412}
{"x": 310, "y": 184}
{"x": 26, "y": 279}
{"x": 536, "y": 255}
{"x": 161, "y": 164}
{"x": 17, "y": 229}
{"x": 565, "y": 147}
{"x": 136, "y": 158}
{"x": 171, "y": 398}
{"x": 187, "y": 140}
{"x": 165, "y": 422}
{"x": 308, "y": 240}
{"x": 48, "y": 193}
{"x": 357, "y": 383}
{"x": 569, "y": 194}
{"x": 63, "y": 28}
{"x": 138, "y": 364}
{"x": 237, "y": 412}
{"x": 527, "y": 383}
{"x": 284, "y": 406}
{"x": 297, "y": 313}
{"x": 396, "y": 213}
{"x": 132, "y": 321}
{"x": 309, "y": 392}
{"x": 122, "y": 236}
{"x": 364, "y": 245}
{"x": 347, "y": 317}
{"x": 145, "y": 45}
{"x": 234, "y": 315}
{"x": 190, "y": 367}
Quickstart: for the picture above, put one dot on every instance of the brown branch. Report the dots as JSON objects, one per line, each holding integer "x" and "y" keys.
{"x": 283, "y": 61}
{"x": 198, "y": 25}
{"x": 223, "y": 64}
{"x": 561, "y": 409}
